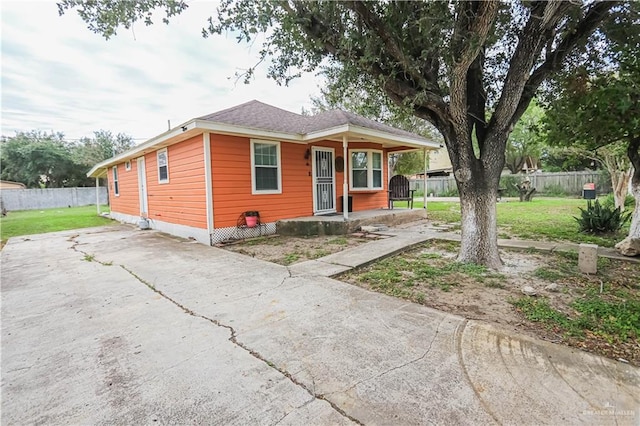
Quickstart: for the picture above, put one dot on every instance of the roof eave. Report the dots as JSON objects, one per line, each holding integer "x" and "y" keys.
{"x": 184, "y": 129}
{"x": 371, "y": 134}
{"x": 233, "y": 130}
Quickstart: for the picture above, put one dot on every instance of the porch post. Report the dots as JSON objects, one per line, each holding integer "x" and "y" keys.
{"x": 98, "y": 195}
{"x": 345, "y": 181}
{"x": 424, "y": 179}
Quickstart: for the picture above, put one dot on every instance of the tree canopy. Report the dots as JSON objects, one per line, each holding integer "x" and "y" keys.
{"x": 40, "y": 159}
{"x": 524, "y": 145}
{"x": 597, "y": 110}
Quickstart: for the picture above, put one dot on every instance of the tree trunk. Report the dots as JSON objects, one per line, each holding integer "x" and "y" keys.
{"x": 620, "y": 184}
{"x": 634, "y": 229}
{"x": 478, "y": 183}
{"x": 479, "y": 241}
{"x": 633, "y": 152}
{"x": 478, "y": 180}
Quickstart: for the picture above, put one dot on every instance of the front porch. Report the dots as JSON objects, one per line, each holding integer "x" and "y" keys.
{"x": 337, "y": 225}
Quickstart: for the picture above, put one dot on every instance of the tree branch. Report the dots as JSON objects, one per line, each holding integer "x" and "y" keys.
{"x": 544, "y": 17}
{"x": 556, "y": 58}
{"x": 397, "y": 88}
{"x": 373, "y": 22}
{"x": 473, "y": 23}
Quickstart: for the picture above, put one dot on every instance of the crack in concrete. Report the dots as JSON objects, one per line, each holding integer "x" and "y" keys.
{"x": 233, "y": 334}
{"x": 377, "y": 376}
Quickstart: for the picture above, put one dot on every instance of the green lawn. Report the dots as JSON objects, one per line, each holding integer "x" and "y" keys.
{"x": 540, "y": 219}
{"x": 28, "y": 222}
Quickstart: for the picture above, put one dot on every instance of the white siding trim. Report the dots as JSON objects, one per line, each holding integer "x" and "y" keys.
{"x": 370, "y": 186}
{"x": 254, "y": 191}
{"x": 206, "y": 140}
{"x": 166, "y": 152}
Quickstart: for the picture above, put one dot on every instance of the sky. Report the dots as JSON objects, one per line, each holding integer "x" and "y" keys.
{"x": 59, "y": 76}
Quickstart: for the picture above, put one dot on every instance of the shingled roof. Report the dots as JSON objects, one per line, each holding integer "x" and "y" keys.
{"x": 257, "y": 119}
{"x": 258, "y": 115}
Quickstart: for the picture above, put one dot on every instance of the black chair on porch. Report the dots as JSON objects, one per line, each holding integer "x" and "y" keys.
{"x": 399, "y": 191}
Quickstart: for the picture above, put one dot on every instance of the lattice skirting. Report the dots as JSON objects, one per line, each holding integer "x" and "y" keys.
{"x": 242, "y": 232}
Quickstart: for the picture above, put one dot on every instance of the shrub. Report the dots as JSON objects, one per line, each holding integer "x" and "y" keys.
{"x": 610, "y": 202}
{"x": 554, "y": 190}
{"x": 452, "y": 192}
{"x": 597, "y": 219}
{"x": 509, "y": 182}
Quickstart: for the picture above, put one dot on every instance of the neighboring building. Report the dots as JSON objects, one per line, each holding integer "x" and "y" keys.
{"x": 6, "y": 184}
{"x": 200, "y": 178}
{"x": 439, "y": 163}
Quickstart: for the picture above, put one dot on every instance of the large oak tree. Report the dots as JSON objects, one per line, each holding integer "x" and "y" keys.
{"x": 469, "y": 68}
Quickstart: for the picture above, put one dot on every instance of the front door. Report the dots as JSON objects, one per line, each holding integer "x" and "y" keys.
{"x": 142, "y": 187}
{"x": 324, "y": 185}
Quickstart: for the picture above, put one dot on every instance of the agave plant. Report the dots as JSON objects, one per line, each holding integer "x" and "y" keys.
{"x": 599, "y": 219}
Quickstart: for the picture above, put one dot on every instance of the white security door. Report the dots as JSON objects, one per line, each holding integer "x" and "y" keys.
{"x": 142, "y": 186}
{"x": 324, "y": 186}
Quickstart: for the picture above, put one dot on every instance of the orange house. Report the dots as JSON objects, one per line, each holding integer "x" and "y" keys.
{"x": 199, "y": 179}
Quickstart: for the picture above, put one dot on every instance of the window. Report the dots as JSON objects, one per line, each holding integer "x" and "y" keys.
{"x": 266, "y": 175}
{"x": 366, "y": 170}
{"x": 116, "y": 188}
{"x": 127, "y": 165}
{"x": 163, "y": 166}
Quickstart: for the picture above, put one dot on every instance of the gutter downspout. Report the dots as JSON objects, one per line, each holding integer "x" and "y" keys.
{"x": 345, "y": 181}
{"x": 206, "y": 142}
{"x": 424, "y": 179}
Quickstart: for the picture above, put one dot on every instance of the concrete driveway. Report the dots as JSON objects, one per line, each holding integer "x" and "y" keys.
{"x": 118, "y": 326}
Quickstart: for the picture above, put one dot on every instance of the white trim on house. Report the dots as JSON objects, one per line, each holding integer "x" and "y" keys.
{"x": 116, "y": 181}
{"x": 208, "y": 182}
{"x": 314, "y": 179}
{"x": 231, "y": 130}
{"x": 166, "y": 157}
{"x": 370, "y": 169}
{"x": 143, "y": 197}
{"x": 199, "y": 234}
{"x": 278, "y": 167}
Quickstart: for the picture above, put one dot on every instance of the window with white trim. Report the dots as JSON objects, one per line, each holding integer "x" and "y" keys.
{"x": 366, "y": 169}
{"x": 266, "y": 174}
{"x": 163, "y": 166}
{"x": 127, "y": 166}
{"x": 116, "y": 188}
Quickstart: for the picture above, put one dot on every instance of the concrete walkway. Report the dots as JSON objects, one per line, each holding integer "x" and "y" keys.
{"x": 112, "y": 325}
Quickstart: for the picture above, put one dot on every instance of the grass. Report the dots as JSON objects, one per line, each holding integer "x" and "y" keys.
{"x": 29, "y": 222}
{"x": 616, "y": 319}
{"x": 540, "y": 219}
{"x": 397, "y": 275}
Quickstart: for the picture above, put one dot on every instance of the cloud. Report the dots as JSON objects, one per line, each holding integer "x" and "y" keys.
{"x": 57, "y": 75}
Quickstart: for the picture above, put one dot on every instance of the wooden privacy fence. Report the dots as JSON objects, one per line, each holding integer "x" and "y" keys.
{"x": 570, "y": 183}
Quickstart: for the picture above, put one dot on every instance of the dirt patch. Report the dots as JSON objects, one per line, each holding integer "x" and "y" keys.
{"x": 568, "y": 307}
{"x": 291, "y": 250}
